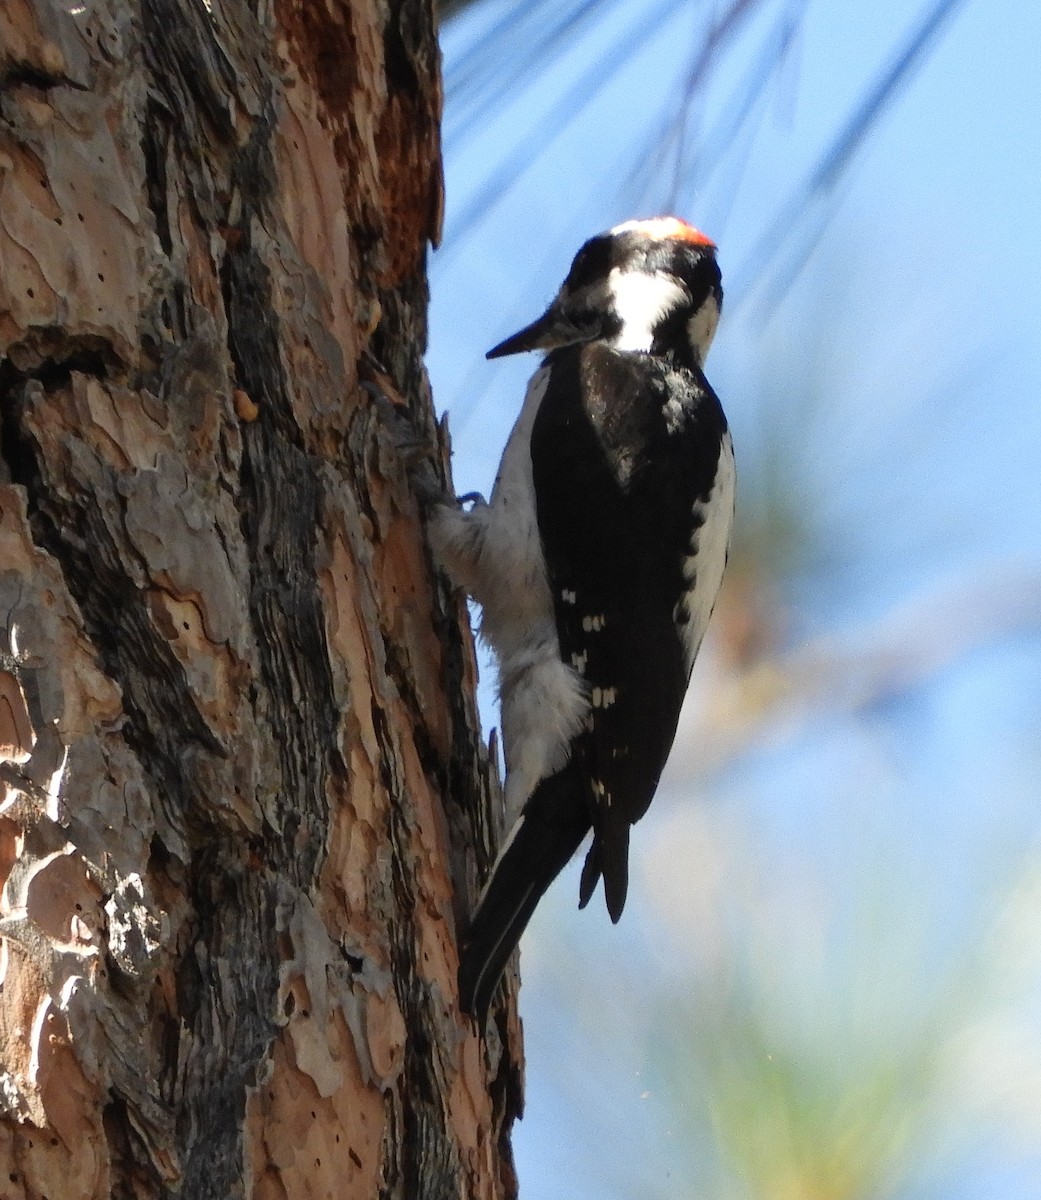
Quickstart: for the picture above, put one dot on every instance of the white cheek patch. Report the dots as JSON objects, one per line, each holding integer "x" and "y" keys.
{"x": 640, "y": 301}
{"x": 701, "y": 328}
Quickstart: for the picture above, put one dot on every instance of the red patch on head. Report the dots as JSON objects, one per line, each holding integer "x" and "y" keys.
{"x": 673, "y": 227}
{"x": 660, "y": 228}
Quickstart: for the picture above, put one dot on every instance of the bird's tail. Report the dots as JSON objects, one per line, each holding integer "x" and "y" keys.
{"x": 608, "y": 856}
{"x": 546, "y": 835}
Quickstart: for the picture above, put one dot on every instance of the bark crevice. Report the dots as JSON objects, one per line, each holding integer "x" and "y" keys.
{"x": 247, "y": 793}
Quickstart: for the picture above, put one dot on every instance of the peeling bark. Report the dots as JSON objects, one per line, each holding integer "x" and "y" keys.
{"x": 243, "y": 799}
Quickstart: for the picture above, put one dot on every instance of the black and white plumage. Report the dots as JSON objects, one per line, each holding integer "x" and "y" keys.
{"x": 596, "y": 562}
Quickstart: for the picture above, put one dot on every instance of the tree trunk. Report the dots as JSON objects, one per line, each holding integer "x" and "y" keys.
{"x": 244, "y": 797}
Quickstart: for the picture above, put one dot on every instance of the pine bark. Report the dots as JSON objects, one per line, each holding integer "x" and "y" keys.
{"x": 243, "y": 797}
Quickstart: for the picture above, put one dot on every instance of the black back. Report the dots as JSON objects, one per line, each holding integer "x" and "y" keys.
{"x": 615, "y": 490}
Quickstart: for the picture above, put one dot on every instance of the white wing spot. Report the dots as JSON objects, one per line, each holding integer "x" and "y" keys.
{"x": 578, "y": 661}
{"x": 568, "y": 596}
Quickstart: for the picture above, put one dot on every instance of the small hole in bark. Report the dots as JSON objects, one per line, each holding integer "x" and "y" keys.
{"x": 13, "y": 1177}
{"x": 30, "y": 293}
{"x": 80, "y": 215}
{"x": 101, "y": 277}
{"x": 79, "y": 908}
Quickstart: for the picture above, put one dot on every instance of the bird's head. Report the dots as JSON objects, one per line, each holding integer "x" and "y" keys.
{"x": 650, "y": 286}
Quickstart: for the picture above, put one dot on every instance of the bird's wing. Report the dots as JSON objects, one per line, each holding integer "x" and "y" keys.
{"x": 615, "y": 488}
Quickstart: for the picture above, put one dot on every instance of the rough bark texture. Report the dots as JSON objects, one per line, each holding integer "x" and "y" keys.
{"x": 243, "y": 799}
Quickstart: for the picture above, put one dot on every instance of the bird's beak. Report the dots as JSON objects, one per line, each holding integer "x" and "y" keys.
{"x": 542, "y": 334}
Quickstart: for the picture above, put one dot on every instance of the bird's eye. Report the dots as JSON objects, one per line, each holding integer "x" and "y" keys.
{"x": 586, "y": 322}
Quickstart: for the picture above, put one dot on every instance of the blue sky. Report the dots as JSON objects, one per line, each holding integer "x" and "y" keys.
{"x": 893, "y": 392}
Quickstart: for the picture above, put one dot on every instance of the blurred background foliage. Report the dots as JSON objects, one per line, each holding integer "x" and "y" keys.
{"x": 826, "y": 985}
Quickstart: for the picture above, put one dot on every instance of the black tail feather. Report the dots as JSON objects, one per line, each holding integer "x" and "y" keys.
{"x": 554, "y": 822}
{"x": 608, "y": 857}
{"x": 591, "y": 872}
{"x": 614, "y": 862}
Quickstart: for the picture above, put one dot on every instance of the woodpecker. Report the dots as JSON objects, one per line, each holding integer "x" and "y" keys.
{"x": 596, "y": 563}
